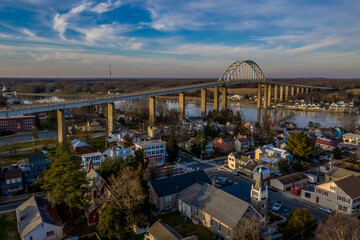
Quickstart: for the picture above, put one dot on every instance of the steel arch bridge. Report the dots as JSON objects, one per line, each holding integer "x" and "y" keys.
{"x": 242, "y": 70}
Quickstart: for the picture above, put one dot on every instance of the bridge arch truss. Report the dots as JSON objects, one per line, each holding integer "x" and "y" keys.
{"x": 242, "y": 71}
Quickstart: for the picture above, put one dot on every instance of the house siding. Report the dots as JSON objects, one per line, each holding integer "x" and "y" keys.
{"x": 40, "y": 232}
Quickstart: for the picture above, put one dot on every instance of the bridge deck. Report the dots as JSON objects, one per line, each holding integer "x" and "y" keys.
{"x": 45, "y": 107}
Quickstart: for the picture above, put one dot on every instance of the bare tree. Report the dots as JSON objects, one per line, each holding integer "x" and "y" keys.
{"x": 349, "y": 122}
{"x": 248, "y": 229}
{"x": 338, "y": 227}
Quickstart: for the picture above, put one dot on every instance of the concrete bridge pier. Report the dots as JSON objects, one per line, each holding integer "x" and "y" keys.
{"x": 258, "y": 103}
{"x": 110, "y": 118}
{"x": 224, "y": 98}
{"x": 306, "y": 90}
{"x": 269, "y": 96}
{"x": 265, "y": 97}
{"x": 281, "y": 93}
{"x": 302, "y": 90}
{"x": 182, "y": 106}
{"x": 152, "y": 116}
{"x": 292, "y": 91}
{"x": 286, "y": 93}
{"x": 297, "y": 90}
{"x": 203, "y": 102}
{"x": 216, "y": 98}
{"x": 61, "y": 125}
{"x": 275, "y": 94}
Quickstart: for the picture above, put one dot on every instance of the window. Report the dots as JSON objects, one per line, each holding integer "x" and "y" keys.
{"x": 211, "y": 221}
{"x": 219, "y": 227}
{"x": 228, "y": 232}
{"x": 197, "y": 212}
{"x": 31, "y": 238}
{"x": 49, "y": 234}
{"x": 307, "y": 195}
{"x": 167, "y": 198}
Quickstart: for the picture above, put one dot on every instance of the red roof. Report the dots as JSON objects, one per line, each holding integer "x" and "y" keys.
{"x": 327, "y": 142}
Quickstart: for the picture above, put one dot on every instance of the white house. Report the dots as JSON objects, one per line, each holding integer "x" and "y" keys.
{"x": 120, "y": 152}
{"x": 36, "y": 219}
{"x": 351, "y": 138}
{"x": 270, "y": 151}
{"x": 155, "y": 151}
{"x": 242, "y": 143}
{"x": 97, "y": 158}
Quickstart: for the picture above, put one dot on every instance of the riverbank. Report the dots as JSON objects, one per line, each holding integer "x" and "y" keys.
{"x": 314, "y": 110}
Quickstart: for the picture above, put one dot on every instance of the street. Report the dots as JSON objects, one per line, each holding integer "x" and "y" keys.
{"x": 26, "y": 137}
{"x": 10, "y": 204}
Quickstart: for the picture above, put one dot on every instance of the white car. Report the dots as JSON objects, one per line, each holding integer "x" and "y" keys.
{"x": 325, "y": 210}
{"x": 277, "y": 206}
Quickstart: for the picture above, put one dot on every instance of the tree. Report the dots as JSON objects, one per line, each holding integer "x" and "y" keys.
{"x": 349, "y": 122}
{"x": 110, "y": 224}
{"x": 338, "y": 227}
{"x": 111, "y": 166}
{"x": 283, "y": 166}
{"x": 127, "y": 141}
{"x": 248, "y": 229}
{"x": 299, "y": 145}
{"x": 299, "y": 225}
{"x": 209, "y": 131}
{"x": 63, "y": 181}
{"x": 337, "y": 153}
{"x": 172, "y": 148}
{"x": 297, "y": 166}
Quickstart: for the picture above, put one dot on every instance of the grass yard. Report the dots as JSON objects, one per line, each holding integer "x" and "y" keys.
{"x": 185, "y": 228}
{"x": 8, "y": 228}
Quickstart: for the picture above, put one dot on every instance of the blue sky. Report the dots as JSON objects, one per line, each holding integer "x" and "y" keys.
{"x": 167, "y": 38}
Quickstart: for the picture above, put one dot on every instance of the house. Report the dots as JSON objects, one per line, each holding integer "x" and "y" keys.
{"x": 271, "y": 151}
{"x": 286, "y": 182}
{"x": 215, "y": 209}
{"x": 11, "y": 181}
{"x": 36, "y": 164}
{"x": 93, "y": 126}
{"x": 351, "y": 138}
{"x": 37, "y": 219}
{"x": 223, "y": 144}
{"x": 81, "y": 147}
{"x": 163, "y": 192}
{"x": 242, "y": 143}
{"x": 335, "y": 173}
{"x": 17, "y": 124}
{"x": 162, "y": 231}
{"x": 153, "y": 132}
{"x": 118, "y": 152}
{"x": 342, "y": 195}
{"x": 99, "y": 190}
{"x": 235, "y": 159}
{"x": 209, "y": 149}
{"x": 155, "y": 151}
{"x": 96, "y": 158}
{"x": 326, "y": 144}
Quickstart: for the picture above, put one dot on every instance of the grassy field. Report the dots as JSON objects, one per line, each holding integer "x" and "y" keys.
{"x": 8, "y": 228}
{"x": 185, "y": 228}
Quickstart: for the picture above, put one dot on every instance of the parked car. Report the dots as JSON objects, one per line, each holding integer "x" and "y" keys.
{"x": 271, "y": 188}
{"x": 277, "y": 206}
{"x": 218, "y": 179}
{"x": 325, "y": 210}
{"x": 236, "y": 173}
{"x": 226, "y": 182}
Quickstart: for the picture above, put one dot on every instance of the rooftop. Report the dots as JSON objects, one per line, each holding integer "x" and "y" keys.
{"x": 350, "y": 185}
{"x": 162, "y": 231}
{"x": 294, "y": 177}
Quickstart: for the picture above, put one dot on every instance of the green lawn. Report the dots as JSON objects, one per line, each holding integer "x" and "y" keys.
{"x": 8, "y": 228}
{"x": 185, "y": 228}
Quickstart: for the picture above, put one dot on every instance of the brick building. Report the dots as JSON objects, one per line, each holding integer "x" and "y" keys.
{"x": 17, "y": 124}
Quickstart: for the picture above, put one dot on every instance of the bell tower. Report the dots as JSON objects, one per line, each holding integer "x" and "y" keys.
{"x": 259, "y": 195}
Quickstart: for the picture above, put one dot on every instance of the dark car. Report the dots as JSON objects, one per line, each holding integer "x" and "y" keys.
{"x": 271, "y": 188}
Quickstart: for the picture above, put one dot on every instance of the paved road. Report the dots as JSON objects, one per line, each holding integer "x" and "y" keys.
{"x": 26, "y": 137}
{"x": 242, "y": 187}
{"x": 12, "y": 204}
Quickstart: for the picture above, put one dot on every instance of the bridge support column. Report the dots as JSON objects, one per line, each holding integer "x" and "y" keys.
{"x": 275, "y": 94}
{"x": 306, "y": 90}
{"x": 61, "y": 125}
{"x": 281, "y": 93}
{"x": 298, "y": 90}
{"x": 216, "y": 98}
{"x": 110, "y": 118}
{"x": 269, "y": 96}
{"x": 258, "y": 103}
{"x": 286, "y": 93}
{"x": 203, "y": 102}
{"x": 152, "y": 116}
{"x": 265, "y": 97}
{"x": 182, "y": 106}
{"x": 224, "y": 98}
{"x": 302, "y": 90}
{"x": 292, "y": 91}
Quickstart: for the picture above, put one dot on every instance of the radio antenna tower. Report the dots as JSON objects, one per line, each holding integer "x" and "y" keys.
{"x": 110, "y": 70}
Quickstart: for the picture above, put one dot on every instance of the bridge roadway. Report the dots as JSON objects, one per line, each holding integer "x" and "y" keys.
{"x": 45, "y": 107}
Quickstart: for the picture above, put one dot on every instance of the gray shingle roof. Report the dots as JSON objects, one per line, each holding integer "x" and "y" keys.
{"x": 162, "y": 231}
{"x": 294, "y": 177}
{"x": 33, "y": 212}
{"x": 221, "y": 205}
{"x": 350, "y": 185}
{"x": 175, "y": 184}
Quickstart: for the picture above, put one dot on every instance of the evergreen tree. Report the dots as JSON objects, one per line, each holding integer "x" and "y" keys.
{"x": 300, "y": 224}
{"x": 111, "y": 166}
{"x": 172, "y": 148}
{"x": 127, "y": 141}
{"x": 63, "y": 181}
{"x": 299, "y": 145}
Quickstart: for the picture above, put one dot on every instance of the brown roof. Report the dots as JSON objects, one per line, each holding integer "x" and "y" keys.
{"x": 162, "y": 231}
{"x": 294, "y": 177}
{"x": 12, "y": 173}
{"x": 350, "y": 185}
